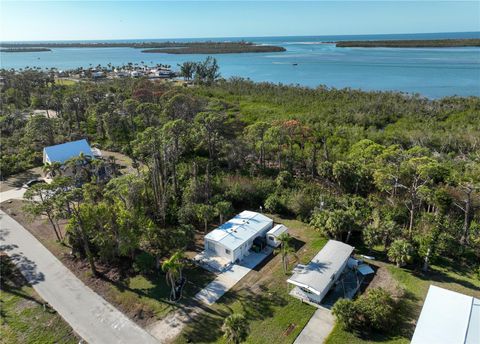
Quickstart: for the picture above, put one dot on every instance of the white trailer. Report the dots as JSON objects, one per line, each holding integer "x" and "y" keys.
{"x": 274, "y": 233}
{"x": 232, "y": 240}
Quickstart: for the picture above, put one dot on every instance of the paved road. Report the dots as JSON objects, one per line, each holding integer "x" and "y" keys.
{"x": 90, "y": 316}
{"x": 318, "y": 328}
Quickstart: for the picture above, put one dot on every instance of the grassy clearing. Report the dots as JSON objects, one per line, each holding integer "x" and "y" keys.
{"x": 23, "y": 318}
{"x": 262, "y": 296}
{"x": 65, "y": 82}
{"x": 148, "y": 296}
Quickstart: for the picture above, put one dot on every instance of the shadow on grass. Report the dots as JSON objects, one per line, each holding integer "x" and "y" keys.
{"x": 158, "y": 289}
{"x": 12, "y": 281}
{"x": 436, "y": 275}
{"x": 256, "y": 303}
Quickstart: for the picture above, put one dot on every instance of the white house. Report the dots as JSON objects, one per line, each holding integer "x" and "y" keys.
{"x": 136, "y": 74}
{"x": 233, "y": 240}
{"x": 97, "y": 74}
{"x": 65, "y": 151}
{"x": 314, "y": 280}
{"x": 274, "y": 233}
{"x": 448, "y": 317}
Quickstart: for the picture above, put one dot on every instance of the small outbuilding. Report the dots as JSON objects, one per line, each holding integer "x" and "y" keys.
{"x": 233, "y": 240}
{"x": 274, "y": 233}
{"x": 448, "y": 317}
{"x": 314, "y": 280}
{"x": 65, "y": 151}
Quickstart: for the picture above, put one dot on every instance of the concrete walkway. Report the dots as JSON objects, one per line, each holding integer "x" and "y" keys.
{"x": 318, "y": 328}
{"x": 90, "y": 316}
{"x": 227, "y": 279}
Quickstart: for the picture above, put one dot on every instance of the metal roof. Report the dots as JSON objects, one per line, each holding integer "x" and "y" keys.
{"x": 323, "y": 268}
{"x": 365, "y": 269}
{"x": 63, "y": 152}
{"x": 448, "y": 317}
{"x": 239, "y": 229}
{"x": 277, "y": 230}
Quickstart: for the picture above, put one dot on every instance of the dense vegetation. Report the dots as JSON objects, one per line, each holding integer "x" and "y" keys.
{"x": 369, "y": 168}
{"x": 24, "y": 50}
{"x": 155, "y": 47}
{"x": 412, "y": 43}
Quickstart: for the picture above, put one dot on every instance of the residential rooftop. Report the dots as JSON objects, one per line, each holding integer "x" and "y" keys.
{"x": 239, "y": 229}
{"x": 65, "y": 151}
{"x": 323, "y": 268}
{"x": 448, "y": 317}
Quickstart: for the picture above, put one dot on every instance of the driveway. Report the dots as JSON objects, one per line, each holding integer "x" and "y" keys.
{"x": 227, "y": 279}
{"x": 171, "y": 326}
{"x": 16, "y": 193}
{"x": 90, "y": 316}
{"x": 318, "y": 328}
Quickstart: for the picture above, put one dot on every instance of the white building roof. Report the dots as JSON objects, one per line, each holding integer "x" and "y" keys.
{"x": 239, "y": 229}
{"x": 277, "y": 230}
{"x": 323, "y": 268}
{"x": 448, "y": 317}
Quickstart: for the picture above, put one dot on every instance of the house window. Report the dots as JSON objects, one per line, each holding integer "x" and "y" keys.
{"x": 227, "y": 251}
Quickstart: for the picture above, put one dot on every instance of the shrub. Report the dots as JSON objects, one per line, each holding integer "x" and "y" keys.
{"x": 274, "y": 204}
{"x": 144, "y": 263}
{"x": 235, "y": 328}
{"x": 301, "y": 204}
{"x": 284, "y": 179}
{"x": 346, "y": 313}
{"x": 400, "y": 252}
{"x": 371, "y": 311}
{"x": 376, "y": 308}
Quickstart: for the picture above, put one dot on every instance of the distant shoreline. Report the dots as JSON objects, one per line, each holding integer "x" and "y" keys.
{"x": 154, "y": 47}
{"x": 413, "y": 43}
{"x": 24, "y": 50}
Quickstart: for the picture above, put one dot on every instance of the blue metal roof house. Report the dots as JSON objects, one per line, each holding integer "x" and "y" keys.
{"x": 65, "y": 151}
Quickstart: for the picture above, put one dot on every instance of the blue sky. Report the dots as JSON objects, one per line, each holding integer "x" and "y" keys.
{"x": 76, "y": 20}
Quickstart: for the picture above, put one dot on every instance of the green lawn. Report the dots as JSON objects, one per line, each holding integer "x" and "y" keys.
{"x": 262, "y": 296}
{"x": 150, "y": 294}
{"x": 24, "y": 320}
{"x": 65, "y": 82}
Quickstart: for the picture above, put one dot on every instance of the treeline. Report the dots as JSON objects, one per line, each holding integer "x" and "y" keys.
{"x": 208, "y": 47}
{"x": 413, "y": 43}
{"x": 393, "y": 172}
{"x": 220, "y": 48}
{"x": 24, "y": 50}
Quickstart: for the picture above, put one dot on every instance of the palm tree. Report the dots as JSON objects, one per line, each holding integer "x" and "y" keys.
{"x": 205, "y": 213}
{"x": 222, "y": 208}
{"x": 52, "y": 169}
{"x": 286, "y": 250}
{"x": 173, "y": 268}
{"x": 235, "y": 328}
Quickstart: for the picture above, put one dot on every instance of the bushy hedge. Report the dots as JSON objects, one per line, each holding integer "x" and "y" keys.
{"x": 372, "y": 311}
